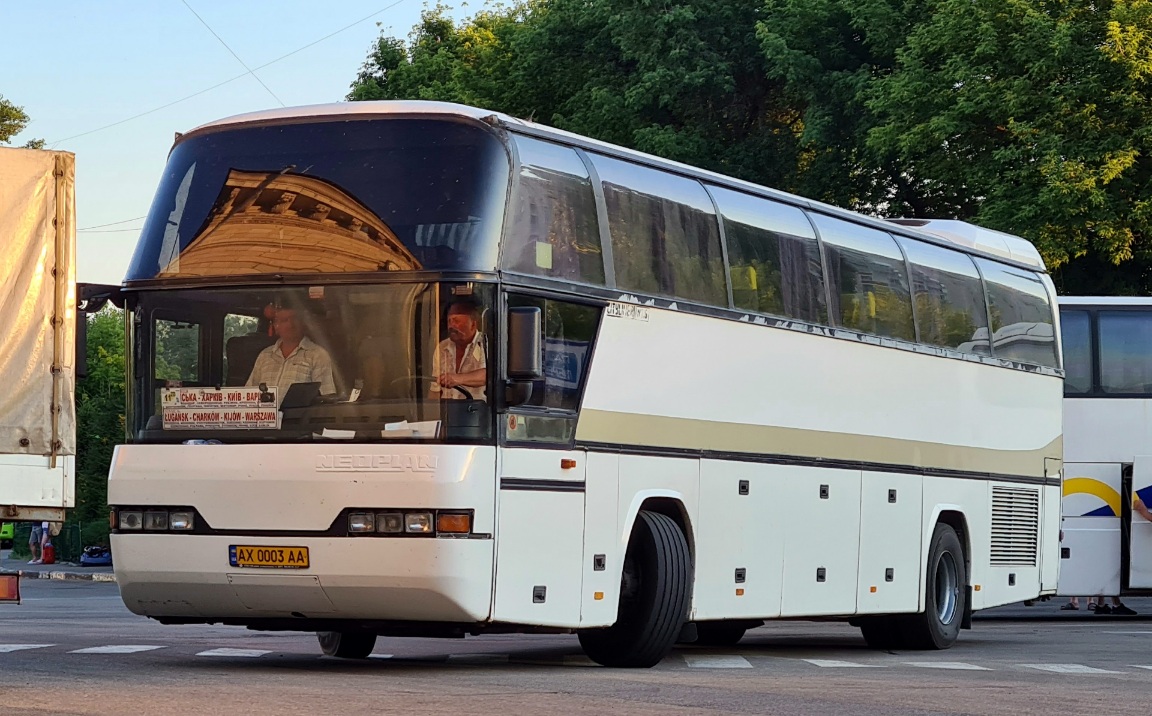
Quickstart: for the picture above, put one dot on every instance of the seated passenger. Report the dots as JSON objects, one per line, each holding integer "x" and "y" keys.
{"x": 293, "y": 358}
{"x": 461, "y": 359}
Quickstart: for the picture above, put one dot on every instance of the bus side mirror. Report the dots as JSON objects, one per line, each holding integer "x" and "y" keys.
{"x": 524, "y": 343}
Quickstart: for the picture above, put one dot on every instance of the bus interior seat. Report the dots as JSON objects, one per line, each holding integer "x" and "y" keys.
{"x": 241, "y": 352}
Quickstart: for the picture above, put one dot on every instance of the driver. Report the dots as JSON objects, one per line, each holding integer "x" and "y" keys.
{"x": 461, "y": 359}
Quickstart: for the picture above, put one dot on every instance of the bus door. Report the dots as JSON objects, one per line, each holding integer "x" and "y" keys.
{"x": 1091, "y": 513}
{"x": 1140, "y": 544}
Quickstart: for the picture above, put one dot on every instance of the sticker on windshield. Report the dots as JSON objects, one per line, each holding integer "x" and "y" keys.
{"x": 225, "y": 409}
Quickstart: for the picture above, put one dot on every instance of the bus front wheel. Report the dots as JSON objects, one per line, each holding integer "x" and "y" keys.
{"x": 654, "y": 590}
{"x": 946, "y": 582}
{"x": 346, "y": 644}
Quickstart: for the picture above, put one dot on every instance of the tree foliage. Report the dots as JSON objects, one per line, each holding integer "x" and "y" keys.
{"x": 100, "y": 402}
{"x": 1027, "y": 116}
{"x": 13, "y": 120}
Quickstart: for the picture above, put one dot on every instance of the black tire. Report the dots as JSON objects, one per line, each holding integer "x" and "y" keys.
{"x": 719, "y": 633}
{"x": 883, "y": 633}
{"x": 653, "y": 597}
{"x": 346, "y": 644}
{"x": 946, "y": 583}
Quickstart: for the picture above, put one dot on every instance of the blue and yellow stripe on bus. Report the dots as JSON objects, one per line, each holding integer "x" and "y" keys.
{"x": 1102, "y": 492}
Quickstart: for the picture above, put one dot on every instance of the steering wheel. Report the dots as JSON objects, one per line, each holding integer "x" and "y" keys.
{"x": 418, "y": 379}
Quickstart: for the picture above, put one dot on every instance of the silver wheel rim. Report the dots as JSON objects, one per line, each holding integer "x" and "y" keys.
{"x": 947, "y": 588}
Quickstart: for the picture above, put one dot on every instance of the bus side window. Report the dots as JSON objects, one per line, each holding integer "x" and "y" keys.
{"x": 1076, "y": 337}
{"x": 869, "y": 279}
{"x": 950, "y": 309}
{"x": 1022, "y": 318}
{"x": 773, "y": 257}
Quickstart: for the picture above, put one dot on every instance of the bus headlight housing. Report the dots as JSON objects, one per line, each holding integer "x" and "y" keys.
{"x": 418, "y": 522}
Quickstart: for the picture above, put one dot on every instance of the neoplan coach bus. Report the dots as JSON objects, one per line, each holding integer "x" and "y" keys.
{"x": 525, "y": 381}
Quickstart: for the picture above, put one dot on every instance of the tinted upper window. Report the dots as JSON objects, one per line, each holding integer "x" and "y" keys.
{"x": 773, "y": 257}
{"x": 665, "y": 237}
{"x": 869, "y": 279}
{"x": 950, "y": 308}
{"x": 1076, "y": 339}
{"x": 1125, "y": 350}
{"x": 1021, "y": 314}
{"x": 322, "y": 197}
{"x": 553, "y": 231}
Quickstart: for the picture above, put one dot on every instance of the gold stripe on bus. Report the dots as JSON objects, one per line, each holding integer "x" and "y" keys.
{"x": 600, "y": 426}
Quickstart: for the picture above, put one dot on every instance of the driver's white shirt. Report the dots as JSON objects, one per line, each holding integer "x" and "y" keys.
{"x": 474, "y": 358}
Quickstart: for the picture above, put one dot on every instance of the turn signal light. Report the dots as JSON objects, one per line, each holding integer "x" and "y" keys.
{"x": 454, "y": 523}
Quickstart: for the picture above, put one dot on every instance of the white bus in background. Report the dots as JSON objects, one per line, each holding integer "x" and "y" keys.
{"x": 707, "y": 403}
{"x": 1106, "y": 548}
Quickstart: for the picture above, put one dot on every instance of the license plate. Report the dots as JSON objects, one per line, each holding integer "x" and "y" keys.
{"x": 282, "y": 557}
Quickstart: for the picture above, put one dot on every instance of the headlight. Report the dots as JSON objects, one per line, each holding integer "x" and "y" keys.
{"x": 361, "y": 522}
{"x": 156, "y": 521}
{"x": 131, "y": 520}
{"x": 391, "y": 522}
{"x": 418, "y": 522}
{"x": 181, "y": 521}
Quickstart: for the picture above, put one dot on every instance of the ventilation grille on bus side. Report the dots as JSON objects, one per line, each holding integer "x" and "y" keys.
{"x": 1015, "y": 526}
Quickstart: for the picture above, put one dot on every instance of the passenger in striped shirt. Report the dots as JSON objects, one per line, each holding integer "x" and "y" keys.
{"x": 293, "y": 358}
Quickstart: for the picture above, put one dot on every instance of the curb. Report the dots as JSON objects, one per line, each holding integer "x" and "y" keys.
{"x": 79, "y": 576}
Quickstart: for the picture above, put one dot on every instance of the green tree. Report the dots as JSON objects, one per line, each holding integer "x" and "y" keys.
{"x": 100, "y": 427}
{"x": 13, "y": 120}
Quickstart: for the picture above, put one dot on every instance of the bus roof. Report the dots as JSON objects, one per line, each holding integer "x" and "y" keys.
{"x": 956, "y": 234}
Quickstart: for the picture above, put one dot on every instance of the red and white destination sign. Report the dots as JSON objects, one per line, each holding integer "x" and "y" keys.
{"x": 224, "y": 409}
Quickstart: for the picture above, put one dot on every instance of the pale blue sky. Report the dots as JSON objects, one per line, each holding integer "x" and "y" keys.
{"x": 77, "y": 66}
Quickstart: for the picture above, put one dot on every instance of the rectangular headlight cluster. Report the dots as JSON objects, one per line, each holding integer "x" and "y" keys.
{"x": 409, "y": 522}
{"x": 156, "y": 519}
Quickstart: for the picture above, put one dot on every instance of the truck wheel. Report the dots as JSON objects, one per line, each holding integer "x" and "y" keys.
{"x": 653, "y": 597}
{"x": 347, "y": 644}
{"x": 946, "y": 581}
{"x": 719, "y": 633}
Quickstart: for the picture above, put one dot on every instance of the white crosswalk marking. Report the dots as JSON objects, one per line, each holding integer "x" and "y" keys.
{"x": 6, "y": 648}
{"x": 716, "y": 661}
{"x": 958, "y": 665}
{"x": 234, "y": 652}
{"x": 116, "y": 649}
{"x": 1140, "y": 666}
{"x": 841, "y": 664}
{"x": 1068, "y": 669}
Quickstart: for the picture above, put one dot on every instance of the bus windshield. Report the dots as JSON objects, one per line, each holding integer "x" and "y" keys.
{"x": 391, "y": 361}
{"x": 359, "y": 196}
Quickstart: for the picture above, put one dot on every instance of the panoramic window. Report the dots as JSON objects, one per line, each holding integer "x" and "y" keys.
{"x": 553, "y": 231}
{"x": 1022, "y": 319}
{"x": 869, "y": 279}
{"x": 950, "y": 308}
{"x": 1076, "y": 338}
{"x": 366, "y": 195}
{"x": 665, "y": 237}
{"x": 773, "y": 257}
{"x": 1125, "y": 344}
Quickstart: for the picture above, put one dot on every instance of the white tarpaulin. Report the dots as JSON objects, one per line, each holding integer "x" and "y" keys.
{"x": 37, "y": 302}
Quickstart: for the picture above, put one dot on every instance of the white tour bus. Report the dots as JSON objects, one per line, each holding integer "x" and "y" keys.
{"x": 1107, "y": 548}
{"x": 410, "y": 368}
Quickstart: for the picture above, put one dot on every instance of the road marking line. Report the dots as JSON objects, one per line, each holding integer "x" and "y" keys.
{"x": 716, "y": 661}
{"x": 6, "y": 648}
{"x": 234, "y": 652}
{"x": 116, "y": 649}
{"x": 578, "y": 660}
{"x": 478, "y": 658}
{"x": 1126, "y": 632}
{"x": 1068, "y": 669}
{"x": 959, "y": 665}
{"x": 379, "y": 656}
{"x": 1139, "y": 666}
{"x": 833, "y": 663}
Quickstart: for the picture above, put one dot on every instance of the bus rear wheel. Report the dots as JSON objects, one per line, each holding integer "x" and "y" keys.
{"x": 946, "y": 582}
{"x": 346, "y": 644}
{"x": 654, "y": 589}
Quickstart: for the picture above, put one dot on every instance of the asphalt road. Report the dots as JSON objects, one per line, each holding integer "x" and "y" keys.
{"x": 72, "y": 648}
